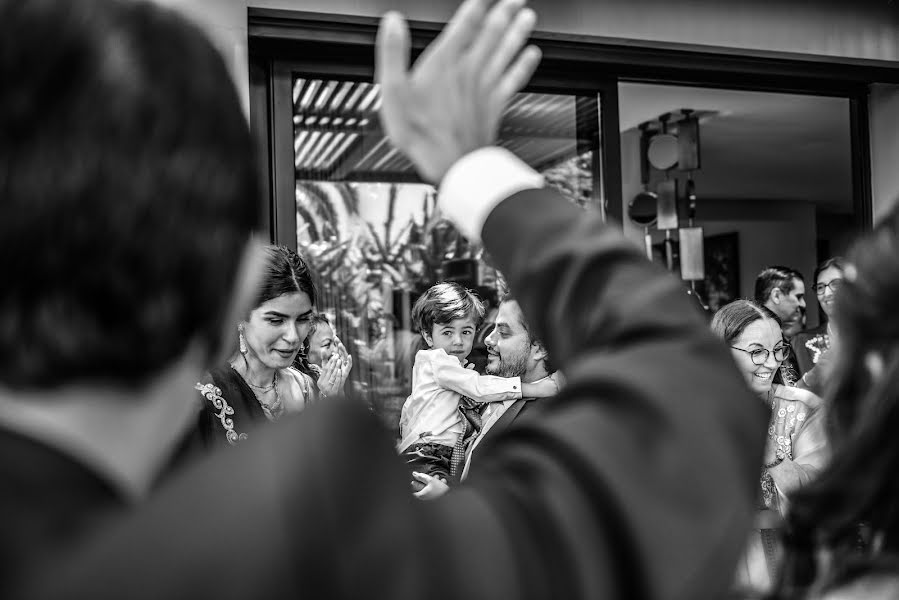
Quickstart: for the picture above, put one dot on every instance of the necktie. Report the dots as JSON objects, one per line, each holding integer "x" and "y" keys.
{"x": 471, "y": 425}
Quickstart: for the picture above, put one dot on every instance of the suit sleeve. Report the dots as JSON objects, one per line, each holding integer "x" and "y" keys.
{"x": 654, "y": 444}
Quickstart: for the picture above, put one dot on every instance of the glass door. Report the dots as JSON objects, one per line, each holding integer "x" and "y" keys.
{"x": 370, "y": 229}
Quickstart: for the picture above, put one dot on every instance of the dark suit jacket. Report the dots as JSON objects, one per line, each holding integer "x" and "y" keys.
{"x": 637, "y": 481}
{"x": 47, "y": 500}
{"x": 519, "y": 408}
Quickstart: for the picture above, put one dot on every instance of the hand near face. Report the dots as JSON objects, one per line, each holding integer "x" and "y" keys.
{"x": 452, "y": 100}
{"x": 335, "y": 370}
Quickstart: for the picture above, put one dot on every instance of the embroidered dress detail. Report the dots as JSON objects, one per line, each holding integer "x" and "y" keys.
{"x": 793, "y": 417}
{"x": 817, "y": 345}
{"x": 214, "y": 394}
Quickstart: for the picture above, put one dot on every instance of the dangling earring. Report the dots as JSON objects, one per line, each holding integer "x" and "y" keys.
{"x": 242, "y": 342}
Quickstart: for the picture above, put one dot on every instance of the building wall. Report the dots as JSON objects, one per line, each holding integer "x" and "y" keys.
{"x": 771, "y": 233}
{"x": 866, "y": 30}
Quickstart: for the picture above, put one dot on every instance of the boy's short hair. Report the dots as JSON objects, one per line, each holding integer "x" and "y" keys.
{"x": 446, "y": 302}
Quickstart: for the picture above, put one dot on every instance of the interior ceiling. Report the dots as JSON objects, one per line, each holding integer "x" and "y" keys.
{"x": 754, "y": 145}
{"x": 758, "y": 145}
{"x": 338, "y": 137}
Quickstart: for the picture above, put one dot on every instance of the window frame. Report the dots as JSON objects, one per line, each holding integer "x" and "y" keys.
{"x": 284, "y": 42}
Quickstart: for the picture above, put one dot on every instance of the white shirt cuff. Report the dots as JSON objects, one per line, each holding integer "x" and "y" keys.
{"x": 478, "y": 182}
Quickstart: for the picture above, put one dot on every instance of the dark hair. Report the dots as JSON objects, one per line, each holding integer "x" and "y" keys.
{"x": 445, "y": 302}
{"x": 128, "y": 190}
{"x": 547, "y": 362}
{"x": 860, "y": 484}
{"x": 838, "y": 262}
{"x": 732, "y": 319}
{"x": 285, "y": 272}
{"x": 775, "y": 277}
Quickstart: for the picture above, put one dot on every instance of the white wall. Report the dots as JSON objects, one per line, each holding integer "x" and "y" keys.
{"x": 832, "y": 27}
{"x": 771, "y": 233}
{"x": 884, "y": 116}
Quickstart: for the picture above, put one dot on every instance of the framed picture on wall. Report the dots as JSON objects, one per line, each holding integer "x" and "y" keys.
{"x": 722, "y": 269}
{"x": 721, "y": 257}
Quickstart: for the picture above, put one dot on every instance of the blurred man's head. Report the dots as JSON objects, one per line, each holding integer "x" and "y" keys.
{"x": 127, "y": 191}
{"x": 511, "y": 350}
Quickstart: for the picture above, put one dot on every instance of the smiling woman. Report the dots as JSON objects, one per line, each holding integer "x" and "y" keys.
{"x": 258, "y": 383}
{"x": 796, "y": 448}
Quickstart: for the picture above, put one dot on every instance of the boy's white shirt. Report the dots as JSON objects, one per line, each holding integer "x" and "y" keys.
{"x": 491, "y": 415}
{"x": 430, "y": 414}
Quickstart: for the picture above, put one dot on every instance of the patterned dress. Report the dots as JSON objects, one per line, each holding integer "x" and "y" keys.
{"x": 797, "y": 436}
{"x": 809, "y": 346}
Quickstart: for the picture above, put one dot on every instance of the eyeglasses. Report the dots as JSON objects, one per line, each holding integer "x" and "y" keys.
{"x": 760, "y": 355}
{"x": 833, "y": 284}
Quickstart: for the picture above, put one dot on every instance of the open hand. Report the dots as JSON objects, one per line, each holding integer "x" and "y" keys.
{"x": 335, "y": 371}
{"x": 452, "y": 100}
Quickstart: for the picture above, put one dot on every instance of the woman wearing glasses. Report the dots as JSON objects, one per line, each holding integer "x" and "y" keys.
{"x": 796, "y": 448}
{"x": 810, "y": 345}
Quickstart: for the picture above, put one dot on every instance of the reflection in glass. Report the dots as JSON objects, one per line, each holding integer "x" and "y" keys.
{"x": 370, "y": 229}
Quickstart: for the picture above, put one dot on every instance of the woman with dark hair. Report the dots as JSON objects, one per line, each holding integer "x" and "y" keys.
{"x": 844, "y": 527}
{"x": 796, "y": 448}
{"x": 258, "y": 383}
{"x": 810, "y": 345}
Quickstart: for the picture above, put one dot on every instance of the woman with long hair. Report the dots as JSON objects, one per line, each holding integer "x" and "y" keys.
{"x": 258, "y": 383}
{"x": 811, "y": 345}
{"x": 843, "y": 530}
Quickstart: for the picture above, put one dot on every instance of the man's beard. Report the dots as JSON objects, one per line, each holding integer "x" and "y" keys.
{"x": 516, "y": 366}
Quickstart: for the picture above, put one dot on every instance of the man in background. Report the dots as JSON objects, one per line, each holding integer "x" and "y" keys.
{"x": 512, "y": 351}
{"x": 782, "y": 291}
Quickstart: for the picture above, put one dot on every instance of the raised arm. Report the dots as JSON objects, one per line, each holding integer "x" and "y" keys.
{"x": 450, "y": 375}
{"x": 654, "y": 443}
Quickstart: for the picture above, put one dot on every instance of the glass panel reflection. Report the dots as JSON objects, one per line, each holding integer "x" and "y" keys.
{"x": 370, "y": 229}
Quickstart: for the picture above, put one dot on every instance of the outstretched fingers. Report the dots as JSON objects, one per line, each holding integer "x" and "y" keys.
{"x": 392, "y": 63}
{"x": 493, "y": 32}
{"x": 508, "y": 46}
{"x": 459, "y": 33}
{"x": 518, "y": 75}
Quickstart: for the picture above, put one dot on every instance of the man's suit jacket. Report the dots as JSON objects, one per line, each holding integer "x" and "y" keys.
{"x": 47, "y": 501}
{"x": 509, "y": 411}
{"x": 637, "y": 481}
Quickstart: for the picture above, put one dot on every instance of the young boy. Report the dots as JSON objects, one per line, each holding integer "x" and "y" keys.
{"x": 440, "y": 415}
